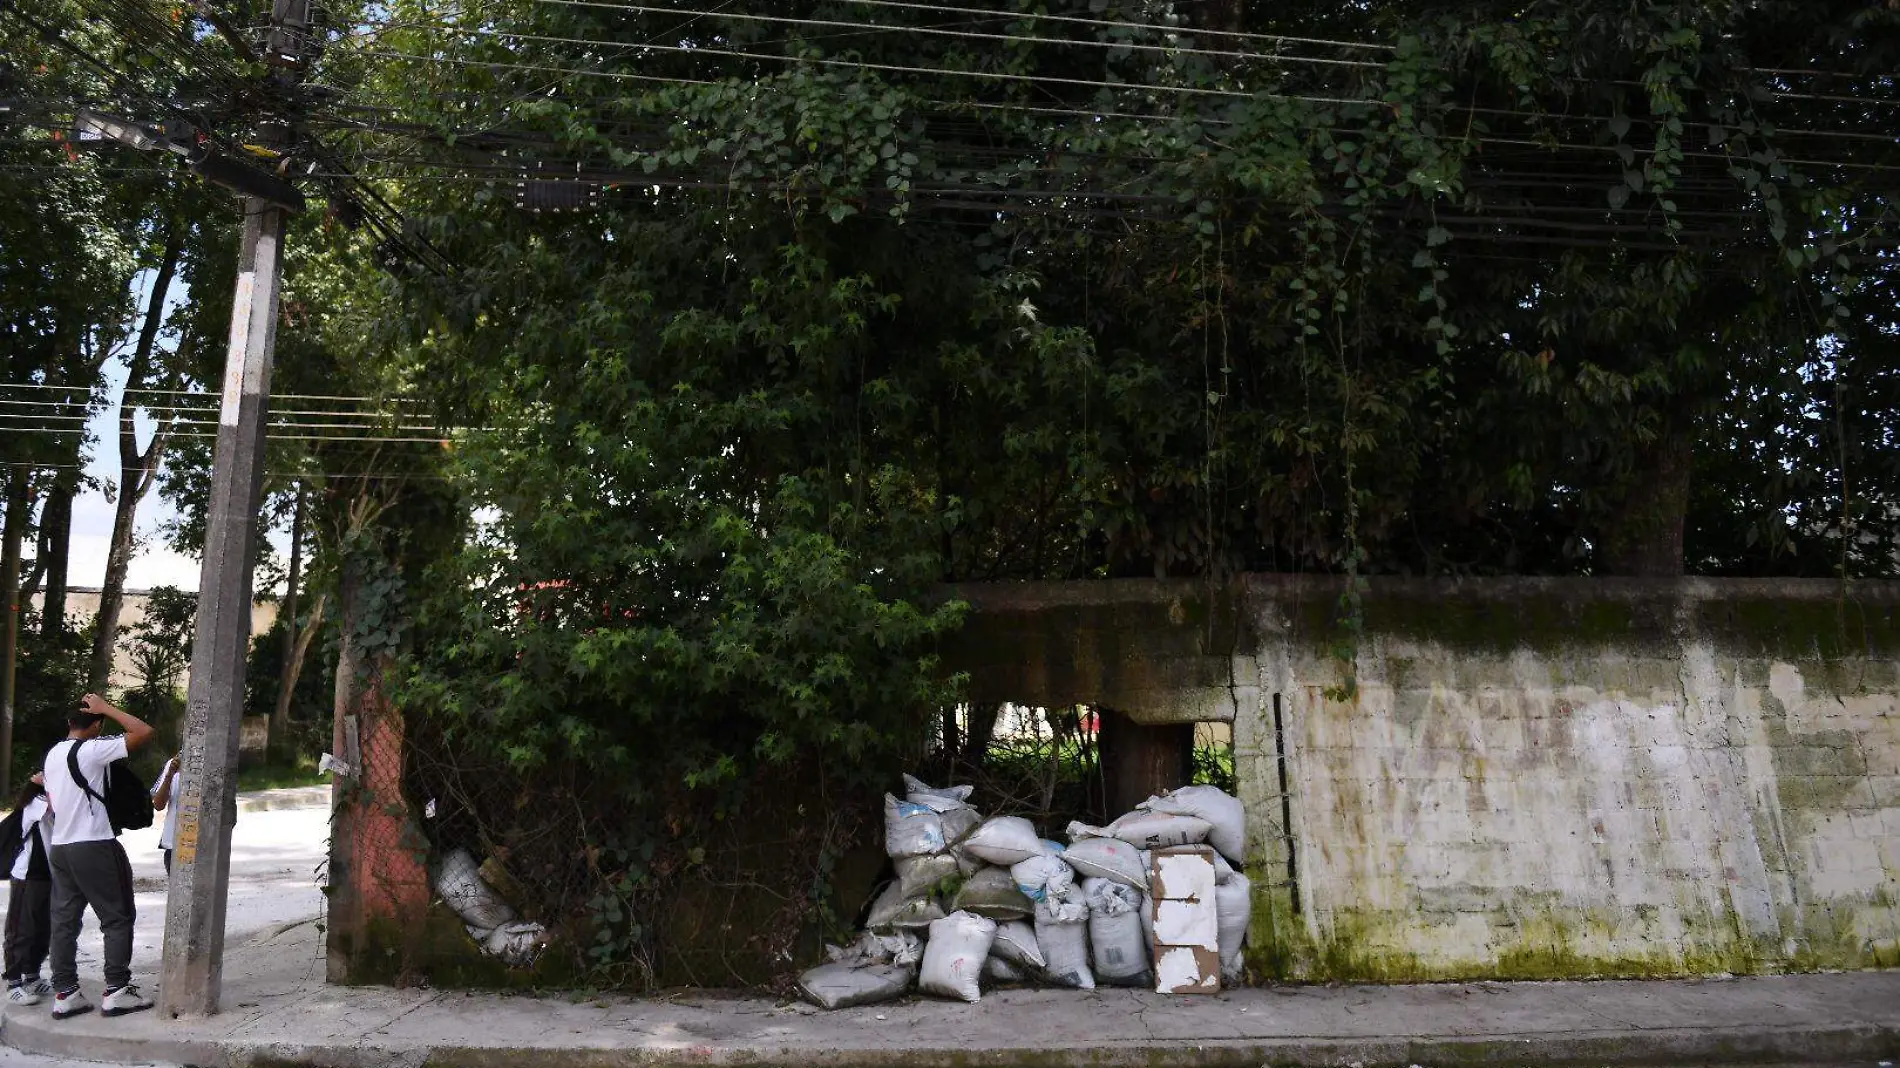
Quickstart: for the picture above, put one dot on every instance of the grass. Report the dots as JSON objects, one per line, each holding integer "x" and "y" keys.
{"x": 301, "y": 772}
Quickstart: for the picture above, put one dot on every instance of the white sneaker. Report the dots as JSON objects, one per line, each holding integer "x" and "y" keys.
{"x": 73, "y": 1004}
{"x": 40, "y": 988}
{"x": 123, "y": 1000}
{"x": 22, "y": 994}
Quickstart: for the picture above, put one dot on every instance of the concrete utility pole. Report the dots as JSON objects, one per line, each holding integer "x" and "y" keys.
{"x": 192, "y": 978}
{"x": 207, "y": 807}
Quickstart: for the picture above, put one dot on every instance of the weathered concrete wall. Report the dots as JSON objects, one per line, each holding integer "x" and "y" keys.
{"x": 1536, "y": 778}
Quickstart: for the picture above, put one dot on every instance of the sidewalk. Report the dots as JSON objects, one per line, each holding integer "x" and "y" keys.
{"x": 279, "y": 1012}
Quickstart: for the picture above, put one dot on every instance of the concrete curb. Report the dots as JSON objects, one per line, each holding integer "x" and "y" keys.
{"x": 290, "y": 797}
{"x": 1658, "y": 1048}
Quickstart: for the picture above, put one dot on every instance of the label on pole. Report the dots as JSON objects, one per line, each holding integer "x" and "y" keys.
{"x": 240, "y": 341}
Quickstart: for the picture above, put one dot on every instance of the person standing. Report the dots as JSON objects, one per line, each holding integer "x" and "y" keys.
{"x": 29, "y": 895}
{"x": 171, "y": 782}
{"x": 89, "y": 865}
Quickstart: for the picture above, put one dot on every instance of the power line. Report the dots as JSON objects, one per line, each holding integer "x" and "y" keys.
{"x": 974, "y": 35}
{"x": 1115, "y": 24}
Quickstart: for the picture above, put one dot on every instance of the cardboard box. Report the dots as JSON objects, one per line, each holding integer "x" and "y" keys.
{"x": 1186, "y": 926}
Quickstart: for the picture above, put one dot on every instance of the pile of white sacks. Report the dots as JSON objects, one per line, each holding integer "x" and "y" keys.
{"x": 979, "y": 902}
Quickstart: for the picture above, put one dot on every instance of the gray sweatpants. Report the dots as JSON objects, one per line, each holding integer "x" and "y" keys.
{"x": 96, "y": 874}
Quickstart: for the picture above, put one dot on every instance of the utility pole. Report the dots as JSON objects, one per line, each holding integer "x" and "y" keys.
{"x": 193, "y": 974}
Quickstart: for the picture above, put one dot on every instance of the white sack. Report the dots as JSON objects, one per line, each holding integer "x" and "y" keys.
{"x": 931, "y": 796}
{"x": 894, "y": 910}
{"x": 958, "y": 823}
{"x": 516, "y": 943}
{"x": 998, "y": 970}
{"x": 1107, "y": 858}
{"x": 1159, "y": 830}
{"x": 911, "y": 830}
{"x": 1223, "y": 871}
{"x": 840, "y": 986}
{"x": 1226, "y": 818}
{"x": 1004, "y": 840}
{"x": 1233, "y": 909}
{"x": 917, "y": 876}
{"x": 1040, "y": 876}
{"x": 953, "y": 958}
{"x": 459, "y": 883}
{"x": 1016, "y": 943}
{"x": 1119, "y": 946}
{"x": 1062, "y": 934}
{"x": 899, "y": 947}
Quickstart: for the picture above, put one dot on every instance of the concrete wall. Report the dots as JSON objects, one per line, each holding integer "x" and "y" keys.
{"x": 1520, "y": 778}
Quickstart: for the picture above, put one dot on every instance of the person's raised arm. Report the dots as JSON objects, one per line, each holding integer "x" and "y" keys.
{"x": 137, "y": 731}
{"x": 163, "y": 795}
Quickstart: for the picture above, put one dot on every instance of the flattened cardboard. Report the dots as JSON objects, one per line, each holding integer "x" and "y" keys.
{"x": 1186, "y": 925}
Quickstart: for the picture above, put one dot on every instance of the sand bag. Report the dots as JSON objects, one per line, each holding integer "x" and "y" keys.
{"x": 958, "y": 946}
{"x": 1119, "y": 946}
{"x": 930, "y": 796}
{"x": 1016, "y": 943}
{"x": 917, "y": 876}
{"x": 1040, "y": 876}
{"x": 998, "y": 970}
{"x": 899, "y": 947}
{"x": 1062, "y": 935}
{"x": 911, "y": 830}
{"x": 1223, "y": 871}
{"x": 840, "y": 986}
{"x": 1226, "y": 818}
{"x": 1107, "y": 858}
{"x": 895, "y": 910}
{"x": 992, "y": 892}
{"x": 1004, "y": 840}
{"x": 459, "y": 883}
{"x": 1233, "y": 911}
{"x": 1159, "y": 830}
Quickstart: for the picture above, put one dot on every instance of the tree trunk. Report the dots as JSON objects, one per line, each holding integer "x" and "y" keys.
{"x": 1139, "y": 761}
{"x": 1644, "y": 535}
{"x": 136, "y": 470}
{"x": 56, "y": 539}
{"x": 976, "y": 743}
{"x": 287, "y": 675}
{"x": 19, "y": 509}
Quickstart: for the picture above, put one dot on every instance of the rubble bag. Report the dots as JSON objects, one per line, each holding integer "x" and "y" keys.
{"x": 998, "y": 970}
{"x": 911, "y": 830}
{"x": 918, "y": 792}
{"x": 1004, "y": 840}
{"x": 1233, "y": 911}
{"x": 1062, "y": 935}
{"x": 1226, "y": 818}
{"x": 1159, "y": 830}
{"x": 840, "y": 986}
{"x": 1016, "y": 943}
{"x": 1118, "y": 943}
{"x": 993, "y": 893}
{"x": 901, "y": 947}
{"x": 1042, "y": 875}
{"x": 894, "y": 910}
{"x": 954, "y": 955}
{"x": 950, "y": 804}
{"x": 1107, "y": 858}
{"x": 917, "y": 876}
{"x": 459, "y": 884}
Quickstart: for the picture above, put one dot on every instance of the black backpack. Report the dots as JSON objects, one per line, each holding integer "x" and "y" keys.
{"x": 127, "y": 804}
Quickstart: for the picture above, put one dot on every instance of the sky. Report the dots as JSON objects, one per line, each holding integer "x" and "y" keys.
{"x": 154, "y": 563}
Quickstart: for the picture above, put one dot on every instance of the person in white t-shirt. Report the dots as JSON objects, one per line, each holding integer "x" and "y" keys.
{"x": 171, "y": 782}
{"x": 29, "y": 895}
{"x": 88, "y": 863}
